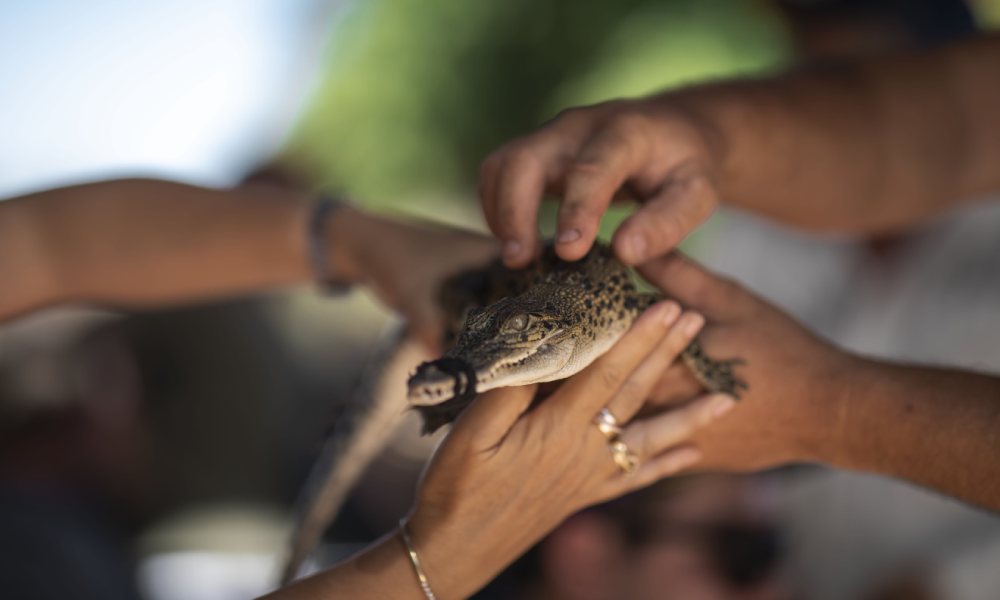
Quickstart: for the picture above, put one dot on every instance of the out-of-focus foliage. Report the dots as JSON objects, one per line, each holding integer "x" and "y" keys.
{"x": 418, "y": 91}
{"x": 988, "y": 13}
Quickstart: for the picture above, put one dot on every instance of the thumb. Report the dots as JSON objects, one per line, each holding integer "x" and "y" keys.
{"x": 665, "y": 220}
{"x": 491, "y": 416}
{"x": 694, "y": 286}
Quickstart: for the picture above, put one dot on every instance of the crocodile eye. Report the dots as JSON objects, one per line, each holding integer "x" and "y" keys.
{"x": 518, "y": 322}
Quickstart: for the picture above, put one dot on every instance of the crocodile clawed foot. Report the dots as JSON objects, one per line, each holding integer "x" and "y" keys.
{"x": 718, "y": 376}
{"x": 715, "y": 375}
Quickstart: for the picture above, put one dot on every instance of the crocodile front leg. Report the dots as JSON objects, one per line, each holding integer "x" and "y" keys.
{"x": 715, "y": 375}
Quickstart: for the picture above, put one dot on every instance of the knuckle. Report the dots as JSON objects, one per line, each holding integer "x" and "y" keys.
{"x": 520, "y": 156}
{"x": 508, "y": 215}
{"x": 677, "y": 340}
{"x": 674, "y": 464}
{"x": 690, "y": 421}
{"x": 676, "y": 427}
{"x": 629, "y": 124}
{"x": 728, "y": 288}
{"x": 703, "y": 418}
{"x": 700, "y": 294}
{"x": 642, "y": 444}
{"x": 576, "y": 210}
{"x": 583, "y": 170}
{"x": 630, "y": 391}
{"x": 572, "y": 116}
{"x": 657, "y": 223}
{"x": 697, "y": 416}
{"x": 703, "y": 189}
{"x": 489, "y": 165}
{"x": 669, "y": 224}
{"x": 610, "y": 377}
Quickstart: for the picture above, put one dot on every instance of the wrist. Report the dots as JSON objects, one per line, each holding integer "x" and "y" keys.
{"x": 343, "y": 232}
{"x": 29, "y": 262}
{"x": 449, "y": 555}
{"x": 832, "y": 411}
{"x": 731, "y": 120}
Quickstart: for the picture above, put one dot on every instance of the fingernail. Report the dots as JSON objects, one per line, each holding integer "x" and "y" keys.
{"x": 670, "y": 313}
{"x": 692, "y": 324}
{"x": 570, "y": 235}
{"x": 722, "y": 405}
{"x": 511, "y": 248}
{"x": 636, "y": 247}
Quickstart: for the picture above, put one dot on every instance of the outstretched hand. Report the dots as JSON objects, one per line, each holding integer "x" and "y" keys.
{"x": 790, "y": 413}
{"x": 405, "y": 264}
{"x": 654, "y": 151}
{"x": 507, "y": 475}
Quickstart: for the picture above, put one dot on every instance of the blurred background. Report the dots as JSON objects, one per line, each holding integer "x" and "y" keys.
{"x": 159, "y": 455}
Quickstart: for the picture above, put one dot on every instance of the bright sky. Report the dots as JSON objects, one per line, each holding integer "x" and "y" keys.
{"x": 196, "y": 90}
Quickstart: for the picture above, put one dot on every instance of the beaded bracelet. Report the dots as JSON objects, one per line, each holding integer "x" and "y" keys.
{"x": 319, "y": 255}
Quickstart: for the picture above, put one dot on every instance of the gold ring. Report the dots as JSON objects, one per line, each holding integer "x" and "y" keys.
{"x": 626, "y": 460}
{"x": 608, "y": 425}
{"x": 623, "y": 456}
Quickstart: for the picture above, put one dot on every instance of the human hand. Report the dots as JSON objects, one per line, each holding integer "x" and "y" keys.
{"x": 405, "y": 264}
{"x": 653, "y": 150}
{"x": 505, "y": 476}
{"x": 792, "y": 410}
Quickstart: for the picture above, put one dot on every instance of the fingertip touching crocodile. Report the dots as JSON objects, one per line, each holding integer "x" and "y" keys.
{"x": 538, "y": 325}
{"x": 507, "y": 328}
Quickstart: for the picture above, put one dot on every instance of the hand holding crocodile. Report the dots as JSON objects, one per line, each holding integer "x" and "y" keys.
{"x": 510, "y": 471}
{"x": 792, "y": 411}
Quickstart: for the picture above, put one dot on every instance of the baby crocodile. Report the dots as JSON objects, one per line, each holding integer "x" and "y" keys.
{"x": 505, "y": 328}
{"x": 542, "y": 324}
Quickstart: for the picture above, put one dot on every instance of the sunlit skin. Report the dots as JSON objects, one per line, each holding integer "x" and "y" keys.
{"x": 148, "y": 243}
{"x": 867, "y": 147}
{"x": 143, "y": 242}
{"x": 858, "y": 148}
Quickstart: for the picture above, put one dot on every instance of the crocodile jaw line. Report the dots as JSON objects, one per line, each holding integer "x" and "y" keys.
{"x": 500, "y": 374}
{"x": 496, "y": 377}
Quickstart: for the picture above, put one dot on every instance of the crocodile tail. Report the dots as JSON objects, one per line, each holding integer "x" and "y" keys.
{"x": 374, "y": 414}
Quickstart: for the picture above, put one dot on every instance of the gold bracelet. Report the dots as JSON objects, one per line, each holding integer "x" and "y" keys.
{"x": 415, "y": 561}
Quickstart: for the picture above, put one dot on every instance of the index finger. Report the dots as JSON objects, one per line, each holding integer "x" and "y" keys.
{"x": 591, "y": 389}
{"x": 514, "y": 178}
{"x": 512, "y": 182}
{"x": 604, "y": 164}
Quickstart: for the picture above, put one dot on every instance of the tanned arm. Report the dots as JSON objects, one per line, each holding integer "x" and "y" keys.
{"x": 936, "y": 427}
{"x": 141, "y": 242}
{"x": 863, "y": 147}
{"x": 812, "y": 402}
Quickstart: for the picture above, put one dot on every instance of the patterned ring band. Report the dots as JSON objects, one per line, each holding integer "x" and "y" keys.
{"x": 623, "y": 456}
{"x": 608, "y": 425}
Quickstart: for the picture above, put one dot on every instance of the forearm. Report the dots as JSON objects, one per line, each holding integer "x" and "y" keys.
{"x": 141, "y": 242}
{"x": 935, "y": 427}
{"x": 381, "y": 571}
{"x": 858, "y": 148}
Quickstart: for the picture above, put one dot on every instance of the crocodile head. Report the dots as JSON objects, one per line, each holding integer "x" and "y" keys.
{"x": 526, "y": 339}
{"x": 543, "y": 324}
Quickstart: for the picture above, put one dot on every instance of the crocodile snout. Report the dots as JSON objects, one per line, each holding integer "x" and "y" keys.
{"x": 440, "y": 380}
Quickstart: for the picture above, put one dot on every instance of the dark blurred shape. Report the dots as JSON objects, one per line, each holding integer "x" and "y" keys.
{"x": 71, "y": 479}
{"x": 744, "y": 551}
{"x": 686, "y": 537}
{"x": 845, "y": 28}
